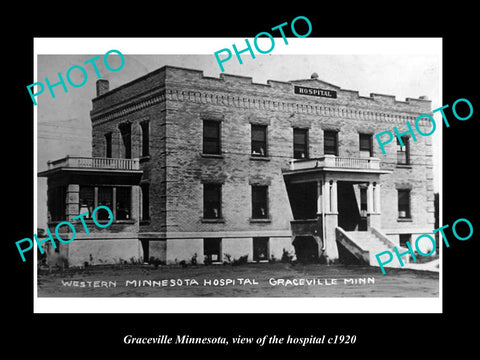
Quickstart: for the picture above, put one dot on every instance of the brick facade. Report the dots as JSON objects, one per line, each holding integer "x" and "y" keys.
{"x": 175, "y": 102}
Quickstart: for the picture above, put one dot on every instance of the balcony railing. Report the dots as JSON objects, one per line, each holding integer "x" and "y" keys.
{"x": 332, "y": 161}
{"x": 95, "y": 163}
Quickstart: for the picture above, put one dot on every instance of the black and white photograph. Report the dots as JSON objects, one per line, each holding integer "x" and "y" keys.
{"x": 266, "y": 180}
{"x": 204, "y": 181}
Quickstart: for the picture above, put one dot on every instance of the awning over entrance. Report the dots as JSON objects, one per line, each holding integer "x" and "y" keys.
{"x": 333, "y": 191}
{"x": 334, "y": 163}
{"x": 313, "y": 184}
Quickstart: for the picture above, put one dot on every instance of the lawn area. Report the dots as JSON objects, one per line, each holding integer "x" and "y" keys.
{"x": 248, "y": 280}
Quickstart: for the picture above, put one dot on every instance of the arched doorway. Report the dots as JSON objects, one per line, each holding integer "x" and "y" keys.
{"x": 306, "y": 249}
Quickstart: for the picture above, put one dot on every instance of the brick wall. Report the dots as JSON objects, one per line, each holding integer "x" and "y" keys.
{"x": 176, "y": 169}
{"x": 153, "y": 166}
{"x": 188, "y": 169}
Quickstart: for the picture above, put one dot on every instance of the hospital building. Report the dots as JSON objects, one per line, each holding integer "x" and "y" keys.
{"x": 216, "y": 168}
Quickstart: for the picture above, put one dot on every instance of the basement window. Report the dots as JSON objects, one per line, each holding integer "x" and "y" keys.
{"x": 404, "y": 238}
{"x": 212, "y": 249}
{"x": 260, "y": 248}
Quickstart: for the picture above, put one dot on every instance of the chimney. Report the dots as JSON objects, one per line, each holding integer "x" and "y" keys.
{"x": 102, "y": 86}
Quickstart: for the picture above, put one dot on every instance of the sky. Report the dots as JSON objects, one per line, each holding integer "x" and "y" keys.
{"x": 400, "y": 68}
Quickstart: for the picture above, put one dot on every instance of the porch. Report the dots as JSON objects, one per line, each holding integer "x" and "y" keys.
{"x": 330, "y": 192}
{"x": 77, "y": 185}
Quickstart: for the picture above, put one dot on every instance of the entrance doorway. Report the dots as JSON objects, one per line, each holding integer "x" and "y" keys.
{"x": 306, "y": 249}
{"x": 352, "y": 206}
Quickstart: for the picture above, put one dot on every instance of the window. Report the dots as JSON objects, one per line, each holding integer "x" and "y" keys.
{"x": 403, "y": 152}
{"x": 365, "y": 145}
{"x": 259, "y": 140}
{"x": 300, "y": 143}
{"x": 87, "y": 200}
{"x": 57, "y": 203}
{"x": 90, "y": 197}
{"x": 212, "y": 249}
{"x": 404, "y": 204}
{"x": 126, "y": 132}
{"x": 260, "y": 248}
{"x": 330, "y": 142}
{"x": 123, "y": 203}
{"x": 259, "y": 202}
{"x": 108, "y": 145}
{"x": 105, "y": 198}
{"x": 211, "y": 137}
{"x": 145, "y": 138}
{"x": 212, "y": 201}
{"x": 145, "y": 207}
{"x": 404, "y": 238}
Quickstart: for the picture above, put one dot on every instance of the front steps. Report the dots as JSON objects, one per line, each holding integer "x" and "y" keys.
{"x": 364, "y": 245}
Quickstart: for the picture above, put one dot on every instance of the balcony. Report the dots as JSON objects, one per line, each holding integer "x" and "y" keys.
{"x": 332, "y": 162}
{"x": 79, "y": 162}
{"x": 94, "y": 170}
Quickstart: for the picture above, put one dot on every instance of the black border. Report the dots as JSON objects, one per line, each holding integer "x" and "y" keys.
{"x": 95, "y": 334}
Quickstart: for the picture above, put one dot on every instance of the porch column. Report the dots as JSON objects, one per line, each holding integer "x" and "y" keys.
{"x": 326, "y": 196}
{"x": 376, "y": 198}
{"x": 320, "y": 217}
{"x": 370, "y": 198}
{"x": 72, "y": 201}
{"x": 95, "y": 198}
{"x": 331, "y": 218}
{"x": 373, "y": 206}
{"x": 134, "y": 201}
{"x": 319, "y": 197}
{"x": 114, "y": 202}
{"x": 333, "y": 199}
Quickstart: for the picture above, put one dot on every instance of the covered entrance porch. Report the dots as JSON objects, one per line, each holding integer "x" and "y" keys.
{"x": 77, "y": 185}
{"x": 330, "y": 193}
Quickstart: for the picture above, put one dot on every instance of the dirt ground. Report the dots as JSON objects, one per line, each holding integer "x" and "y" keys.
{"x": 249, "y": 280}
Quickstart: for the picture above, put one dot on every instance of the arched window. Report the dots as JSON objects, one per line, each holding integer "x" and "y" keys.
{"x": 145, "y": 127}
